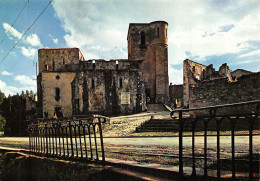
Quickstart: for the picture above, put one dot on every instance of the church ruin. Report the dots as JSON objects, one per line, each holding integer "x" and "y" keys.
{"x": 69, "y": 83}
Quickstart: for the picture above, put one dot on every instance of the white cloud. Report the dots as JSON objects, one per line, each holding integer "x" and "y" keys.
{"x": 85, "y": 30}
{"x": 12, "y": 32}
{"x": 7, "y": 89}
{"x": 55, "y": 40}
{"x": 28, "y": 52}
{"x": 175, "y": 75}
{"x": 33, "y": 40}
{"x": 24, "y": 80}
{"x": 248, "y": 61}
{"x": 250, "y": 54}
{"x": 6, "y": 73}
{"x": 203, "y": 28}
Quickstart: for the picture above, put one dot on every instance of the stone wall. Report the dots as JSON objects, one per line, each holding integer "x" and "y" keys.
{"x": 221, "y": 91}
{"x": 50, "y": 83}
{"x": 148, "y": 42}
{"x": 195, "y": 74}
{"x": 53, "y": 59}
{"x": 108, "y": 91}
{"x": 176, "y": 94}
{"x": 192, "y": 73}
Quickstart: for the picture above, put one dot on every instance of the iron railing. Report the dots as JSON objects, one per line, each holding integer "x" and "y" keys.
{"x": 77, "y": 138}
{"x": 217, "y": 114}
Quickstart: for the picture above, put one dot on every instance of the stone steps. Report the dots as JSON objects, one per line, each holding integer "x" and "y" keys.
{"x": 156, "y": 107}
{"x": 166, "y": 125}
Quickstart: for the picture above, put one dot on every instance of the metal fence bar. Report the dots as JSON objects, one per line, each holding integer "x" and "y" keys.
{"x": 59, "y": 139}
{"x": 233, "y": 125}
{"x": 95, "y": 138}
{"x": 85, "y": 143}
{"x": 193, "y": 175}
{"x": 68, "y": 138}
{"x": 251, "y": 123}
{"x": 81, "y": 153}
{"x": 205, "y": 149}
{"x": 218, "y": 122}
{"x": 76, "y": 143}
{"x": 233, "y": 117}
{"x": 101, "y": 138}
{"x": 56, "y": 141}
{"x": 90, "y": 145}
{"x": 180, "y": 146}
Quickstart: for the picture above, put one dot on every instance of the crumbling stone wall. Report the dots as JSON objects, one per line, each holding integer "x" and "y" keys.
{"x": 106, "y": 83}
{"x": 194, "y": 74}
{"x": 221, "y": 91}
{"x": 239, "y": 72}
{"x": 109, "y": 87}
{"x": 176, "y": 94}
{"x": 148, "y": 42}
{"x": 84, "y": 87}
{"x": 55, "y": 58}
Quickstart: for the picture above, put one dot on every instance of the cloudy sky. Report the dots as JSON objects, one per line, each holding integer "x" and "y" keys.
{"x": 205, "y": 31}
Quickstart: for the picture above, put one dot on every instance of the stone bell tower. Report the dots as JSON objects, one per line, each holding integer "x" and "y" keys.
{"x": 148, "y": 42}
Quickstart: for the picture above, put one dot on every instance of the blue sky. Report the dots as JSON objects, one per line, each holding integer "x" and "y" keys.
{"x": 205, "y": 31}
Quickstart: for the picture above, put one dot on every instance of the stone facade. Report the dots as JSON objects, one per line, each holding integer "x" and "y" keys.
{"x": 52, "y": 59}
{"x": 203, "y": 86}
{"x": 221, "y": 91}
{"x": 69, "y": 83}
{"x": 94, "y": 86}
{"x": 176, "y": 94}
{"x": 149, "y": 43}
{"x": 239, "y": 72}
{"x": 109, "y": 88}
{"x": 192, "y": 73}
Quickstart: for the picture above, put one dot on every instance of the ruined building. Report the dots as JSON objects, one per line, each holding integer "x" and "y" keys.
{"x": 204, "y": 86}
{"x": 69, "y": 83}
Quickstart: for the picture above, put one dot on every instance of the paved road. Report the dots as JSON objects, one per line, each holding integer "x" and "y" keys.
{"x": 146, "y": 149}
{"x": 168, "y": 146}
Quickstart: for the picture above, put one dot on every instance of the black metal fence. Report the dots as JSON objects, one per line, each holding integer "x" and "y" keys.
{"x": 77, "y": 138}
{"x": 206, "y": 115}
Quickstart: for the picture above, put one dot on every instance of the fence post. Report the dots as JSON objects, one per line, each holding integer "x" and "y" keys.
{"x": 101, "y": 138}
{"x": 180, "y": 146}
{"x": 71, "y": 141}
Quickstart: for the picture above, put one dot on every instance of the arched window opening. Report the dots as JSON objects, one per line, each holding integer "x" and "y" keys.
{"x": 92, "y": 83}
{"x": 53, "y": 64}
{"x": 57, "y": 94}
{"x": 63, "y": 61}
{"x": 120, "y": 83}
{"x": 117, "y": 65}
{"x": 94, "y": 64}
{"x": 142, "y": 38}
{"x": 46, "y": 68}
{"x": 158, "y": 31}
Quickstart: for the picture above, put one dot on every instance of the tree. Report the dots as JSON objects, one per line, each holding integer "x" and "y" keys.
{"x": 2, "y": 96}
{"x": 2, "y": 119}
{"x": 2, "y": 123}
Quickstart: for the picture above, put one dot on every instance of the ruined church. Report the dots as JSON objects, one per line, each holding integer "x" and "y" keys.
{"x": 70, "y": 84}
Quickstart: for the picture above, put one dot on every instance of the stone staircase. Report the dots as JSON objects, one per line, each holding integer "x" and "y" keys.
{"x": 156, "y": 107}
{"x": 158, "y": 125}
{"x": 166, "y": 125}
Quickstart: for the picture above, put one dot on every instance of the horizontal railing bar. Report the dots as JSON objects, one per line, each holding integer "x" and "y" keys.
{"x": 217, "y": 106}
